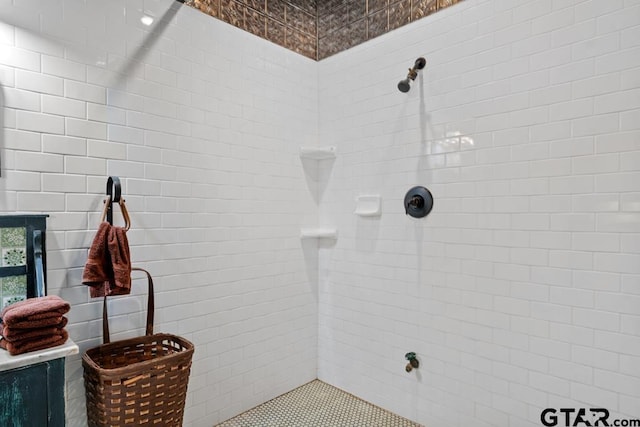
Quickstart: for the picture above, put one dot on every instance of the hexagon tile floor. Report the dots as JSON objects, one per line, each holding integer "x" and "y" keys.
{"x": 317, "y": 404}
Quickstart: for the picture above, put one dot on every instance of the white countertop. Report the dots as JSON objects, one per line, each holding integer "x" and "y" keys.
{"x": 11, "y": 362}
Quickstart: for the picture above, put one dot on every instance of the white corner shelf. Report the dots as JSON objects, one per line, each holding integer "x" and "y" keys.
{"x": 369, "y": 205}
{"x": 318, "y": 233}
{"x": 318, "y": 153}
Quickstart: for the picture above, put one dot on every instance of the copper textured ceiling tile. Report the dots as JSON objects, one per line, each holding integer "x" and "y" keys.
{"x": 210, "y": 7}
{"x": 259, "y": 5}
{"x": 357, "y": 10}
{"x": 300, "y": 20}
{"x": 319, "y": 28}
{"x": 329, "y": 46}
{"x": 275, "y": 32}
{"x": 446, "y": 3}
{"x": 309, "y": 6}
{"x": 275, "y": 9}
{"x": 422, "y": 8}
{"x": 232, "y": 13}
{"x": 324, "y": 25}
{"x": 256, "y": 23}
{"x": 340, "y": 18}
{"x": 300, "y": 42}
{"x": 378, "y": 23}
{"x": 326, "y": 6}
{"x": 376, "y": 5}
{"x": 399, "y": 14}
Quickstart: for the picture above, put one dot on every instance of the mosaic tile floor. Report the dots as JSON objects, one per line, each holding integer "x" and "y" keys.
{"x": 317, "y": 404}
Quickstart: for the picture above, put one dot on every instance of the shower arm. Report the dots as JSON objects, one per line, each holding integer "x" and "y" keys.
{"x": 419, "y": 65}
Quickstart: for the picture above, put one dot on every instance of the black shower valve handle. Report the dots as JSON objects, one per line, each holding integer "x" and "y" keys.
{"x": 417, "y": 202}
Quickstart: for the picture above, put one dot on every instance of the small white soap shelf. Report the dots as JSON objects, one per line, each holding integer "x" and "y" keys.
{"x": 318, "y": 153}
{"x": 318, "y": 233}
{"x": 368, "y": 205}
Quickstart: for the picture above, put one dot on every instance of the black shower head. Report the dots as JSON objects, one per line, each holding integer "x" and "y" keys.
{"x": 404, "y": 85}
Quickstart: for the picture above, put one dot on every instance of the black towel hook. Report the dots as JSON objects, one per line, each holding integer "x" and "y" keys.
{"x": 114, "y": 191}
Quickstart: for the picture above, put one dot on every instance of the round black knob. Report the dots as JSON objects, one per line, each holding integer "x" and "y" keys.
{"x": 418, "y": 202}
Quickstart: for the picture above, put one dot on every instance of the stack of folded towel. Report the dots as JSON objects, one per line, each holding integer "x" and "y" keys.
{"x": 34, "y": 324}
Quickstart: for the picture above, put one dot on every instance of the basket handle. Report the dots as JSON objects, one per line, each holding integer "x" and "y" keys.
{"x": 150, "y": 309}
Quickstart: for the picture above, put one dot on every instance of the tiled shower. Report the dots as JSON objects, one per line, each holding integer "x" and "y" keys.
{"x": 520, "y": 291}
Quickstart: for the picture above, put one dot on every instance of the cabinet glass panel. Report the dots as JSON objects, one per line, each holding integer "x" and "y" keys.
{"x": 22, "y": 258}
{"x": 12, "y": 289}
{"x": 13, "y": 246}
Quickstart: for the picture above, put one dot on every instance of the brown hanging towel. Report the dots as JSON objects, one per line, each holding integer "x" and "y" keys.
{"x": 108, "y": 267}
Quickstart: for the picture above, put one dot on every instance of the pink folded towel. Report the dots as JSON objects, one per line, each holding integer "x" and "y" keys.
{"x": 39, "y": 323}
{"x": 108, "y": 268}
{"x": 34, "y": 312}
{"x": 15, "y": 334}
{"x": 39, "y": 343}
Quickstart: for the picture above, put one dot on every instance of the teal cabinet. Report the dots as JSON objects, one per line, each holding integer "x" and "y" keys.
{"x": 33, "y": 396}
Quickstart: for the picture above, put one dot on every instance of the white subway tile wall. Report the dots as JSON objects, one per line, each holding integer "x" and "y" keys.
{"x": 199, "y": 121}
{"x": 520, "y": 290}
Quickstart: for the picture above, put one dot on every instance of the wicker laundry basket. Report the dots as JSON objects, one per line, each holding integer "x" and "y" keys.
{"x": 139, "y": 381}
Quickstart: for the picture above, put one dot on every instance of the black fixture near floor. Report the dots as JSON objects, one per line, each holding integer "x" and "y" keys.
{"x": 414, "y": 363}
